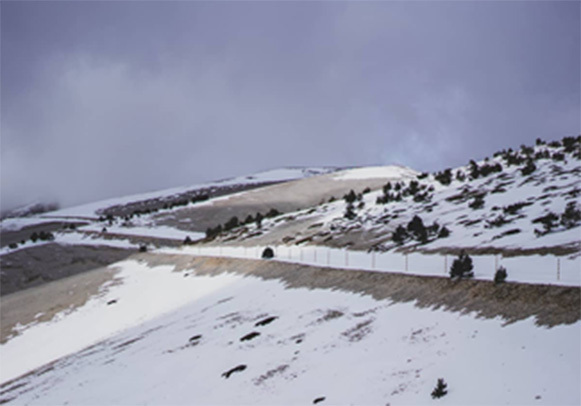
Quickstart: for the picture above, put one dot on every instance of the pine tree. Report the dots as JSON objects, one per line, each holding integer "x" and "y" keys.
{"x": 462, "y": 266}
{"x": 399, "y": 235}
{"x": 258, "y": 220}
{"x": 350, "y": 212}
{"x": 440, "y": 389}
{"x": 500, "y": 275}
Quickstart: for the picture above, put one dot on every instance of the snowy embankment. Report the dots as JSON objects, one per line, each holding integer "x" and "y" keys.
{"x": 545, "y": 269}
{"x": 233, "y": 339}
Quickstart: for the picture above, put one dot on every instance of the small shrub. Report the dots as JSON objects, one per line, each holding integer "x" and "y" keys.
{"x": 350, "y": 212}
{"x": 273, "y": 213}
{"x": 12, "y": 245}
{"x": 143, "y": 248}
{"x": 529, "y": 168}
{"x": 571, "y": 216}
{"x": 399, "y": 235}
{"x": 514, "y": 208}
{"x": 187, "y": 240}
{"x": 477, "y": 203}
{"x": 45, "y": 236}
{"x": 213, "y": 232}
{"x": 570, "y": 144}
{"x": 500, "y": 275}
{"x": 548, "y": 221}
{"x": 558, "y": 156}
{"x": 444, "y": 177}
{"x": 413, "y": 188}
{"x": 440, "y": 389}
{"x": 417, "y": 229}
{"x": 350, "y": 197}
{"x": 258, "y": 220}
{"x": 462, "y": 266}
{"x": 232, "y": 223}
{"x": 474, "y": 169}
{"x": 268, "y": 253}
{"x": 444, "y": 232}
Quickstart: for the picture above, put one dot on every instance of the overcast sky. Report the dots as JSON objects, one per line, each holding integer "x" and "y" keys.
{"x": 102, "y": 99}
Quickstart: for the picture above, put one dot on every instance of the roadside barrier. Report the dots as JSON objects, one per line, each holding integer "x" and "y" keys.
{"x": 548, "y": 269}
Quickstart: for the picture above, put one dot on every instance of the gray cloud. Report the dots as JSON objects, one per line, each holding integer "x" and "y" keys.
{"x": 107, "y": 98}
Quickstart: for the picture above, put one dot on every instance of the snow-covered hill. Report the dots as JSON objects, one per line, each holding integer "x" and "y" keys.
{"x": 357, "y": 306}
{"x": 227, "y": 338}
{"x": 167, "y": 196}
{"x": 523, "y": 200}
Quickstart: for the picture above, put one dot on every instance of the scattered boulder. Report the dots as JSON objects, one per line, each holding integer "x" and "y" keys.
{"x": 239, "y": 368}
{"x": 250, "y": 336}
{"x": 266, "y": 321}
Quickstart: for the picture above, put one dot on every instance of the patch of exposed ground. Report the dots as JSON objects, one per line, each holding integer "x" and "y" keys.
{"x": 284, "y": 197}
{"x": 42, "y": 303}
{"x": 34, "y": 266}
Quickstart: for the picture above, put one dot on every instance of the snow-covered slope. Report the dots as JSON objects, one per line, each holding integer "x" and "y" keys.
{"x": 233, "y": 339}
{"x": 487, "y": 205}
{"x": 185, "y": 329}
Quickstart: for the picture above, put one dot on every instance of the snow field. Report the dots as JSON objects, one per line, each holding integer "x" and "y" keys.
{"x": 140, "y": 293}
{"x": 347, "y": 348}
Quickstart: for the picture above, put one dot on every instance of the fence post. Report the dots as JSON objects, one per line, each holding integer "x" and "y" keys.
{"x": 406, "y": 261}
{"x": 558, "y": 269}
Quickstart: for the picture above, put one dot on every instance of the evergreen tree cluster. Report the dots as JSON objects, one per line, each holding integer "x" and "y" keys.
{"x": 416, "y": 230}
{"x": 398, "y": 191}
{"x": 483, "y": 170}
{"x": 529, "y": 168}
{"x": 444, "y": 177}
{"x": 477, "y": 202}
{"x": 570, "y": 218}
{"x": 351, "y": 197}
{"x": 42, "y": 236}
{"x": 233, "y": 222}
{"x": 514, "y": 208}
